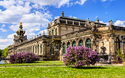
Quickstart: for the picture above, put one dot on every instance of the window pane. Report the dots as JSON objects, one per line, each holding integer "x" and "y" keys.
{"x": 52, "y": 32}
{"x": 64, "y": 48}
{"x": 41, "y": 48}
{"x": 88, "y": 43}
{"x": 68, "y": 44}
{"x": 56, "y": 31}
{"x": 80, "y": 42}
{"x": 74, "y": 43}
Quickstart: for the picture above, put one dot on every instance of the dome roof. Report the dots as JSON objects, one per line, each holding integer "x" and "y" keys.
{"x": 20, "y": 32}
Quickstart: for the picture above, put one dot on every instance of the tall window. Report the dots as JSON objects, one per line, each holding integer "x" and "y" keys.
{"x": 74, "y": 43}
{"x": 33, "y": 49}
{"x": 41, "y": 48}
{"x": 56, "y": 31}
{"x": 38, "y": 49}
{"x": 88, "y": 43}
{"x": 68, "y": 44}
{"x": 117, "y": 44}
{"x": 80, "y": 42}
{"x": 124, "y": 46}
{"x": 52, "y": 32}
{"x": 64, "y": 51}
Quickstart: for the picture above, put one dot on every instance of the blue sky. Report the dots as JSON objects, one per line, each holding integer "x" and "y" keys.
{"x": 36, "y": 14}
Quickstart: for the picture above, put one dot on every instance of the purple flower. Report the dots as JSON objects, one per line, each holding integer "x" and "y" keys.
{"x": 80, "y": 56}
{"x": 26, "y": 57}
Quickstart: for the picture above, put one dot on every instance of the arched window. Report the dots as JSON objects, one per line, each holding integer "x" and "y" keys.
{"x": 88, "y": 43}
{"x": 64, "y": 51}
{"x": 41, "y": 48}
{"x": 38, "y": 49}
{"x": 74, "y": 43}
{"x": 56, "y": 31}
{"x": 117, "y": 44}
{"x": 52, "y": 32}
{"x": 68, "y": 44}
{"x": 33, "y": 49}
{"x": 80, "y": 42}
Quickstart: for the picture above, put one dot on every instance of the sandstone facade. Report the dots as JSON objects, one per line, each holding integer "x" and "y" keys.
{"x": 64, "y": 32}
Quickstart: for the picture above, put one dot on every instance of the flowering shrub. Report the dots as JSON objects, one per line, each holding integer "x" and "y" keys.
{"x": 25, "y": 57}
{"x": 80, "y": 56}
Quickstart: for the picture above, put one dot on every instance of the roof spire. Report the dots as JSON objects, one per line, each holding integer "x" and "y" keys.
{"x": 20, "y": 32}
{"x": 62, "y": 14}
{"x": 98, "y": 20}
{"x": 20, "y": 25}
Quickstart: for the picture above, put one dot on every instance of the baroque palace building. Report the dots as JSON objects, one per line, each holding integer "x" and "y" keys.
{"x": 64, "y": 32}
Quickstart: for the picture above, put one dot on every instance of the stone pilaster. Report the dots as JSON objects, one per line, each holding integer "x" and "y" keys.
{"x": 44, "y": 48}
{"x": 39, "y": 49}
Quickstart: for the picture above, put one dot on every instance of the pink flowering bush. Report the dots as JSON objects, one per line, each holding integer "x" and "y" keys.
{"x": 26, "y": 57}
{"x": 80, "y": 56}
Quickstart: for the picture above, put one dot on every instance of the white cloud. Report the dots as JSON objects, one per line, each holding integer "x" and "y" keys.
{"x": 72, "y": 16}
{"x": 36, "y": 17}
{"x": 57, "y": 3}
{"x": 35, "y": 6}
{"x": 14, "y": 27}
{"x": 96, "y": 17}
{"x": 63, "y": 2}
{"x": 11, "y": 36}
{"x": 5, "y": 42}
{"x": 7, "y": 3}
{"x": 0, "y": 36}
{"x": 81, "y": 2}
{"x": 103, "y": 0}
{"x": 14, "y": 12}
{"x": 3, "y": 30}
{"x": 45, "y": 30}
{"x": 104, "y": 22}
{"x": 56, "y": 17}
{"x": 3, "y": 25}
{"x": 120, "y": 23}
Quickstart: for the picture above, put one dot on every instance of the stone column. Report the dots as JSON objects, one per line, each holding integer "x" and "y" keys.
{"x": 54, "y": 31}
{"x": 44, "y": 48}
{"x": 35, "y": 49}
{"x": 71, "y": 43}
{"x": 77, "y": 43}
{"x": 32, "y": 49}
{"x": 121, "y": 44}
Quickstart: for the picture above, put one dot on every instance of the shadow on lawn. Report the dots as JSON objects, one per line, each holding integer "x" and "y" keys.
{"x": 90, "y": 67}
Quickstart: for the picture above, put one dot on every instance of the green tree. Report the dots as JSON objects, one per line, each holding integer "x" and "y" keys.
{"x": 0, "y": 53}
{"x": 120, "y": 54}
{"x": 5, "y": 51}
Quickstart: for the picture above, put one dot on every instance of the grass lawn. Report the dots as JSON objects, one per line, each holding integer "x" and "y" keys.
{"x": 37, "y": 63}
{"x": 63, "y": 72}
{"x": 59, "y": 72}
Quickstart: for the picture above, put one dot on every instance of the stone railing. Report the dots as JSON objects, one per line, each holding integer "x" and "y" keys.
{"x": 118, "y": 28}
